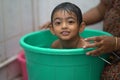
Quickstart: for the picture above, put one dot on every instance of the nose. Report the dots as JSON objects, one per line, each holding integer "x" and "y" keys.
{"x": 64, "y": 25}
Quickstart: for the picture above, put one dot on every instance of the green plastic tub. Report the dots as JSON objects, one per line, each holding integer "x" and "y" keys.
{"x": 44, "y": 63}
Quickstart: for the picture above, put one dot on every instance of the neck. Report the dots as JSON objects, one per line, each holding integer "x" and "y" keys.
{"x": 70, "y": 43}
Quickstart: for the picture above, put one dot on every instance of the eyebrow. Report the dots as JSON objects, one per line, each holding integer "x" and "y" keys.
{"x": 56, "y": 19}
{"x": 71, "y": 18}
{"x": 62, "y": 18}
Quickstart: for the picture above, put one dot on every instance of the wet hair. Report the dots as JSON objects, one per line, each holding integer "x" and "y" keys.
{"x": 70, "y": 8}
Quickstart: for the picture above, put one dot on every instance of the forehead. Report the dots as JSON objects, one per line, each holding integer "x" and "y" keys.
{"x": 64, "y": 13}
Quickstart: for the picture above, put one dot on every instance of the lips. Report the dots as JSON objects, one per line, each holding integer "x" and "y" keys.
{"x": 65, "y": 33}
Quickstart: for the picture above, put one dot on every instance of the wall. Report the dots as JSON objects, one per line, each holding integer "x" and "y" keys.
{"x": 19, "y": 17}
{"x": 16, "y": 19}
{"x": 46, "y": 7}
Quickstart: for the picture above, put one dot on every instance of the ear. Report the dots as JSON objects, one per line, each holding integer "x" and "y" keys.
{"x": 82, "y": 27}
{"x": 51, "y": 29}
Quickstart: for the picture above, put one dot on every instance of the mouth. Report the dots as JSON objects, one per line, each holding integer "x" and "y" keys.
{"x": 65, "y": 33}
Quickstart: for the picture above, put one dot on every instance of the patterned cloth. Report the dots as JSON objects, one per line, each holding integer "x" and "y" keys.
{"x": 112, "y": 25}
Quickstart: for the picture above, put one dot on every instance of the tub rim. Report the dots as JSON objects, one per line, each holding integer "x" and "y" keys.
{"x": 56, "y": 51}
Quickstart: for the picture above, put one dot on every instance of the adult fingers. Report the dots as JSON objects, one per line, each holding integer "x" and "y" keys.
{"x": 93, "y": 45}
{"x": 45, "y": 26}
{"x": 96, "y": 38}
{"x": 96, "y": 52}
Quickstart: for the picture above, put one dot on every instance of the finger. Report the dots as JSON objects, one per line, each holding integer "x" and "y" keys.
{"x": 45, "y": 26}
{"x": 89, "y": 45}
{"x": 95, "y": 44}
{"x": 96, "y": 52}
{"x": 98, "y": 38}
{"x": 42, "y": 27}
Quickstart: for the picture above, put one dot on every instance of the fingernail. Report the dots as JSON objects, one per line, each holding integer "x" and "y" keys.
{"x": 84, "y": 46}
{"x": 87, "y": 53}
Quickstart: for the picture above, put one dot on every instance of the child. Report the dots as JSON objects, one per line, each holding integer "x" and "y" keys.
{"x": 66, "y": 23}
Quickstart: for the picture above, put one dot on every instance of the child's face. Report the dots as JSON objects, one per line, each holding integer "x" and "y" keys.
{"x": 65, "y": 25}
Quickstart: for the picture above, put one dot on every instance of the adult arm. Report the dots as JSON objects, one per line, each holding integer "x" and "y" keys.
{"x": 95, "y": 14}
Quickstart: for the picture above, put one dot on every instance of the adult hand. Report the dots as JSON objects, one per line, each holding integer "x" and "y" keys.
{"x": 45, "y": 26}
{"x": 103, "y": 44}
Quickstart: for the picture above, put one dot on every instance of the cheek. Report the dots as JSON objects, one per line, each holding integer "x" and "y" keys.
{"x": 56, "y": 30}
{"x": 75, "y": 28}
{"x": 75, "y": 31}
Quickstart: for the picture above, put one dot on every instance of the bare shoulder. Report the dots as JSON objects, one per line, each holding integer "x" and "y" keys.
{"x": 56, "y": 44}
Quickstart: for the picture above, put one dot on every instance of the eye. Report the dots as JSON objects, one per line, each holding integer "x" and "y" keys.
{"x": 57, "y": 23}
{"x": 71, "y": 21}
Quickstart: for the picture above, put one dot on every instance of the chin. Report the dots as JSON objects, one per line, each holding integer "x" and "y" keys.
{"x": 65, "y": 38}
